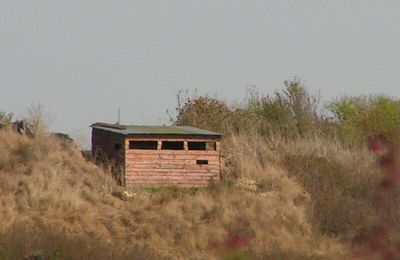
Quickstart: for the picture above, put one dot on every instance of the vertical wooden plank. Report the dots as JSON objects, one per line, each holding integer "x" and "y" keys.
{"x": 218, "y": 146}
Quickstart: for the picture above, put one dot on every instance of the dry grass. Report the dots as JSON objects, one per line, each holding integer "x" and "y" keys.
{"x": 55, "y": 204}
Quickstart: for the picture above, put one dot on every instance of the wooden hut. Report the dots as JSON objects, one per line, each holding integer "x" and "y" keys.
{"x": 158, "y": 155}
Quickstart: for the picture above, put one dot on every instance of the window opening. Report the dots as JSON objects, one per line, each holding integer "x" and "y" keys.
{"x": 172, "y": 145}
{"x": 205, "y": 146}
{"x": 201, "y": 162}
{"x": 143, "y": 145}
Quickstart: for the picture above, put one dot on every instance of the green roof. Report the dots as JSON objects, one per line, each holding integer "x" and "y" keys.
{"x": 154, "y": 130}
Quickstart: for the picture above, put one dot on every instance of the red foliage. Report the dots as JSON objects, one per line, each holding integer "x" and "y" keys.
{"x": 376, "y": 145}
{"x": 376, "y": 243}
{"x": 236, "y": 240}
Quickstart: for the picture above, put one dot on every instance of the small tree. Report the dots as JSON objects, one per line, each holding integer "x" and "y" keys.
{"x": 201, "y": 111}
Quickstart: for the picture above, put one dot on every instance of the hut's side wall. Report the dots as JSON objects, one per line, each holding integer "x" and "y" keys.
{"x": 108, "y": 148}
{"x": 171, "y": 167}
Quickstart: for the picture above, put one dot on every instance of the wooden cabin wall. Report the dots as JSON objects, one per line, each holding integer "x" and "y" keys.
{"x": 171, "y": 167}
{"x": 108, "y": 149}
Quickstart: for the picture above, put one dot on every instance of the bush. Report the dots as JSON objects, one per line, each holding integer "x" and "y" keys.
{"x": 291, "y": 112}
{"x": 202, "y": 111}
{"x": 362, "y": 118}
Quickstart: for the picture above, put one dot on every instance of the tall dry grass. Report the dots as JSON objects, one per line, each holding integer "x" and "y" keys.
{"x": 48, "y": 190}
{"x": 340, "y": 184}
{"x": 292, "y": 188}
{"x": 54, "y": 204}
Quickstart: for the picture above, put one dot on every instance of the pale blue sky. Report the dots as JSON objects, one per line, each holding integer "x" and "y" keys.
{"x": 85, "y": 59}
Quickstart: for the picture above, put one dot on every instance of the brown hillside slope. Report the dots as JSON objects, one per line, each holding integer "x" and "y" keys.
{"x": 56, "y": 205}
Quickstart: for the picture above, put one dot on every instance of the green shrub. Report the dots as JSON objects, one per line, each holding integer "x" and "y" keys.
{"x": 362, "y": 118}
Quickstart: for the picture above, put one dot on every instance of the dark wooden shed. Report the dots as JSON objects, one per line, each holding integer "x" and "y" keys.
{"x": 158, "y": 155}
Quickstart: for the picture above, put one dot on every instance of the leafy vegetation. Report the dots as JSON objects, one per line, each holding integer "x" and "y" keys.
{"x": 362, "y": 118}
{"x": 293, "y": 111}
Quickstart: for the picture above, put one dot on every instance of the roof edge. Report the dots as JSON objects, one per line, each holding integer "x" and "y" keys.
{"x": 107, "y": 125}
{"x": 176, "y": 135}
{"x": 127, "y": 130}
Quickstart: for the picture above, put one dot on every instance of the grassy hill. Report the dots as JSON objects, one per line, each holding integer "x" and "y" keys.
{"x": 294, "y": 186}
{"x": 55, "y": 204}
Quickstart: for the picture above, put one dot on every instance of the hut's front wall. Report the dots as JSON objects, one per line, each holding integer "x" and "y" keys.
{"x": 159, "y": 166}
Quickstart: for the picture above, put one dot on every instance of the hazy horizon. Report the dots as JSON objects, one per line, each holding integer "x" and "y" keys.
{"x": 85, "y": 59}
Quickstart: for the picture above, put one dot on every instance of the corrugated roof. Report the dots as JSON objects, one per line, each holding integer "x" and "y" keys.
{"x": 153, "y": 130}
